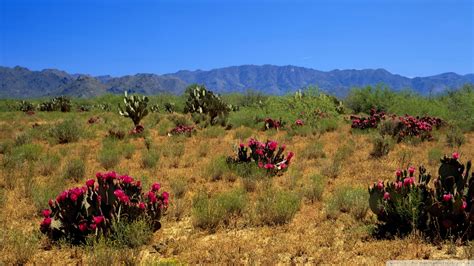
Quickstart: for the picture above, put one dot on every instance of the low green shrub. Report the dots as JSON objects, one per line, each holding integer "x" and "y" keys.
{"x": 350, "y": 200}
{"x": 75, "y": 170}
{"x": 315, "y": 189}
{"x": 65, "y": 132}
{"x": 149, "y": 159}
{"x": 276, "y": 207}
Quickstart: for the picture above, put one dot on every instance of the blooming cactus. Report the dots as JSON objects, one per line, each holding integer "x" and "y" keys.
{"x": 91, "y": 209}
{"x": 266, "y": 155}
{"x": 445, "y": 210}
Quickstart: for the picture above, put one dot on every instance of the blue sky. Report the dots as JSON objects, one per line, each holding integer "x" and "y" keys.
{"x": 411, "y": 38}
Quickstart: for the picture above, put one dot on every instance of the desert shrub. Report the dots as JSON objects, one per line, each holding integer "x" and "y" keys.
{"x": 42, "y": 192}
{"x": 364, "y": 99}
{"x": 314, "y": 150}
{"x": 21, "y": 154}
{"x": 65, "y": 132}
{"x": 266, "y": 156}
{"x": 116, "y": 132}
{"x": 104, "y": 251}
{"x": 381, "y": 146}
{"x": 164, "y": 127}
{"x": 128, "y": 150}
{"x": 243, "y": 133}
{"x": 350, "y": 200}
{"x": 207, "y": 214}
{"x": 180, "y": 120}
{"x": 211, "y": 211}
{"x": 149, "y": 159}
{"x": 213, "y": 132}
{"x": 342, "y": 153}
{"x": 111, "y": 199}
{"x": 276, "y": 207}
{"x": 302, "y": 131}
{"x": 131, "y": 234}
{"x": 315, "y": 188}
{"x": 217, "y": 169}
{"x": 203, "y": 149}
{"x": 75, "y": 170}
{"x": 109, "y": 156}
{"x": 327, "y": 125}
{"x": 173, "y": 149}
{"x": 21, "y": 246}
{"x": 434, "y": 155}
{"x": 455, "y": 137}
{"x": 23, "y": 138}
{"x": 178, "y": 187}
{"x": 6, "y": 146}
{"x": 47, "y": 164}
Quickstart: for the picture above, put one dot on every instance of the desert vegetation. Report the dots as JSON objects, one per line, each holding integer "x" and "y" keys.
{"x": 237, "y": 178}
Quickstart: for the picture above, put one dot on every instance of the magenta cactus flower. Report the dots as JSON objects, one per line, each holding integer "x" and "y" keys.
{"x": 386, "y": 196}
{"x": 411, "y": 170}
{"x": 98, "y": 219}
{"x": 447, "y": 197}
{"x": 155, "y": 187}
{"x": 455, "y": 155}
{"x": 83, "y": 227}
{"x": 380, "y": 185}
{"x": 463, "y": 205}
{"x": 46, "y": 213}
{"x": 399, "y": 173}
{"x": 46, "y": 222}
{"x": 90, "y": 183}
{"x": 141, "y": 205}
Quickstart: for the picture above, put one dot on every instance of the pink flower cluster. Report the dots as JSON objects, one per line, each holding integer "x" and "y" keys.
{"x": 299, "y": 122}
{"x": 104, "y": 196}
{"x": 368, "y": 122}
{"x": 267, "y": 155}
{"x": 182, "y": 129}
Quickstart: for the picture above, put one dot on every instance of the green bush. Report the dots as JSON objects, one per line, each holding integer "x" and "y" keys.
{"x": 455, "y": 137}
{"x": 109, "y": 157}
{"x": 149, "y": 159}
{"x": 47, "y": 164}
{"x": 211, "y": 211}
{"x": 213, "y": 132}
{"x": 243, "y": 133}
{"x": 178, "y": 187}
{"x": 6, "y": 146}
{"x": 23, "y": 138}
{"x": 131, "y": 234}
{"x": 75, "y": 170}
{"x": 276, "y": 207}
{"x": 381, "y": 146}
{"x": 128, "y": 150}
{"x": 312, "y": 151}
{"x": 315, "y": 189}
{"x": 434, "y": 155}
{"x": 350, "y": 200}
{"x": 66, "y": 132}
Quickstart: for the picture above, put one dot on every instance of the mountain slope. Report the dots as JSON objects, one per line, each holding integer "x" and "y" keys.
{"x": 19, "y": 82}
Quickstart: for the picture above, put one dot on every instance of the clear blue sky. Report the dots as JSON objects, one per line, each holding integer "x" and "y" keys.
{"x": 408, "y": 37}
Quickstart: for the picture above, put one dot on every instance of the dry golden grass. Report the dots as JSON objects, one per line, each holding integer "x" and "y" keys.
{"x": 310, "y": 237}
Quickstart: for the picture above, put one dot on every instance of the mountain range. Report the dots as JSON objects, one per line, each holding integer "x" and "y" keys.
{"x": 20, "y": 82}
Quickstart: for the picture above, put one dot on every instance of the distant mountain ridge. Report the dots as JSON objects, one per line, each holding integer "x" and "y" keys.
{"x": 20, "y": 82}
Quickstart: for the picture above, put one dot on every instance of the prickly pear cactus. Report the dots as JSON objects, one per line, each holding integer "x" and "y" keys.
{"x": 135, "y": 108}
{"x": 202, "y": 101}
{"x": 91, "y": 209}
